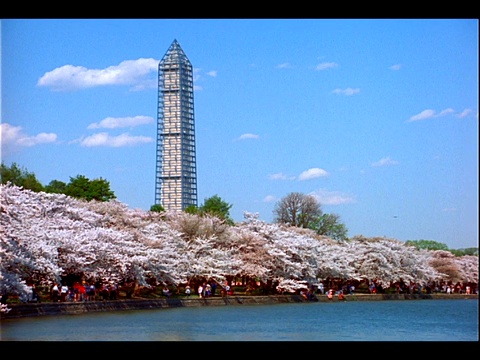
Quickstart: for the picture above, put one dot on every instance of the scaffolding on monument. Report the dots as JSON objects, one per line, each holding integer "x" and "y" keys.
{"x": 176, "y": 170}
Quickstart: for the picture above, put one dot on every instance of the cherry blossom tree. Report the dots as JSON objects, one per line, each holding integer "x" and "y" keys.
{"x": 46, "y": 236}
{"x": 456, "y": 269}
{"x": 388, "y": 260}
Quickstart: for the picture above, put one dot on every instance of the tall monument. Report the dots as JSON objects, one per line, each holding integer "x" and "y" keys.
{"x": 176, "y": 170}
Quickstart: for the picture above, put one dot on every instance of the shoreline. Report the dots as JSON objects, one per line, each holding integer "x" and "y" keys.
{"x": 74, "y": 308}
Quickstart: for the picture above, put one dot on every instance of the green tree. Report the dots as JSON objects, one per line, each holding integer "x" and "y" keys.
{"x": 467, "y": 251}
{"x": 470, "y": 251}
{"x": 56, "y": 186}
{"x": 297, "y": 209}
{"x": 435, "y": 245}
{"x": 192, "y": 209}
{"x": 330, "y": 225}
{"x": 427, "y": 244}
{"x": 157, "y": 208}
{"x": 217, "y": 207}
{"x": 20, "y": 177}
{"x": 463, "y": 252}
{"x": 81, "y": 187}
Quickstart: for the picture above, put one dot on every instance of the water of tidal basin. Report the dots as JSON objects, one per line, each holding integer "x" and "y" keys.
{"x": 389, "y": 320}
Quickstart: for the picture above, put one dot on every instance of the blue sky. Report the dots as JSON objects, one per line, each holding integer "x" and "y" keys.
{"x": 378, "y": 119}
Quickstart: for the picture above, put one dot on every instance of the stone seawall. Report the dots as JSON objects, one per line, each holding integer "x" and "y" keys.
{"x": 44, "y": 309}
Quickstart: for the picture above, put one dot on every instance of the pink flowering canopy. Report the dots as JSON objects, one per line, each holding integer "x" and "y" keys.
{"x": 44, "y": 236}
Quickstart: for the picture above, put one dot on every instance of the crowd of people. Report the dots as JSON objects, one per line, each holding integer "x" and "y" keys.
{"x": 79, "y": 291}
{"x": 86, "y": 291}
{"x": 207, "y": 289}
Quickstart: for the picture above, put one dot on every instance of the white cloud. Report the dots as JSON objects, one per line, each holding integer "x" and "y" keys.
{"x": 325, "y": 197}
{"x": 347, "y": 91}
{"x": 326, "y": 65}
{"x": 384, "y": 162}
{"x": 280, "y": 176}
{"x": 113, "y": 123}
{"x": 465, "y": 113}
{"x": 284, "y": 66}
{"x": 446, "y": 112}
{"x": 269, "y": 198}
{"x": 430, "y": 114}
{"x": 197, "y": 76}
{"x": 103, "y": 139}
{"x": 42, "y": 138}
{"x": 248, "y": 136}
{"x": 10, "y": 133}
{"x": 312, "y": 174}
{"x": 425, "y": 114}
{"x": 395, "y": 67}
{"x": 13, "y": 137}
{"x": 136, "y": 73}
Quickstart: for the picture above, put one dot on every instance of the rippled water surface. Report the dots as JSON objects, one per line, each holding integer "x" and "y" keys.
{"x": 392, "y": 320}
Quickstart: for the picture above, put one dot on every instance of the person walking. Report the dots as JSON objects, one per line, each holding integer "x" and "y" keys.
{"x": 330, "y": 294}
{"x": 321, "y": 288}
{"x": 64, "y": 291}
{"x": 55, "y": 293}
{"x": 208, "y": 290}
{"x": 166, "y": 291}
